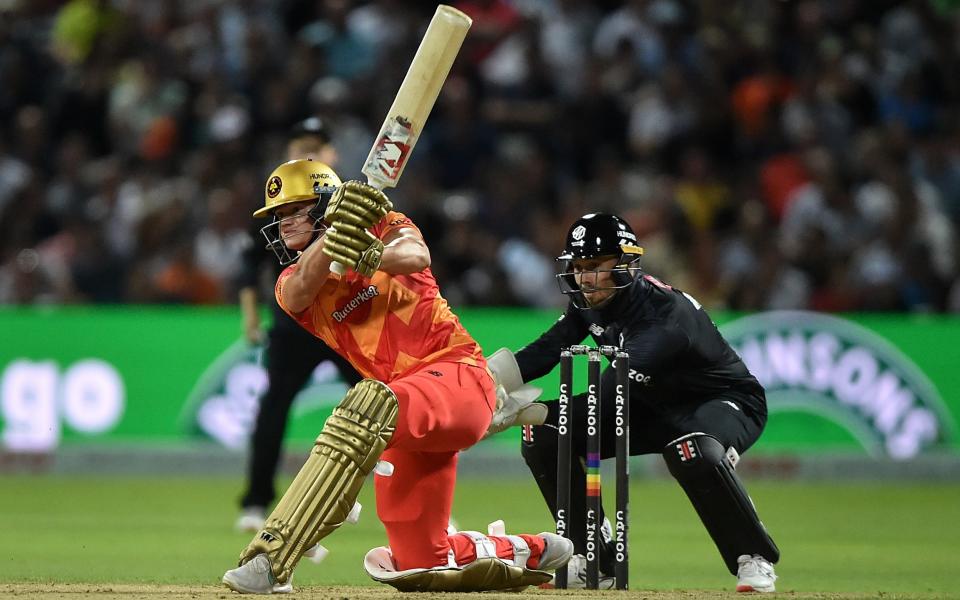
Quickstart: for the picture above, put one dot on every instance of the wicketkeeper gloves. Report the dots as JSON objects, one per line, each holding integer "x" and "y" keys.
{"x": 516, "y": 402}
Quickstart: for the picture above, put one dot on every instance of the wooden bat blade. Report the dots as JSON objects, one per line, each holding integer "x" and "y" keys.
{"x": 417, "y": 94}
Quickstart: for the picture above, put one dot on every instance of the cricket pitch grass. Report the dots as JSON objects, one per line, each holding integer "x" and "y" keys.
{"x": 164, "y": 538}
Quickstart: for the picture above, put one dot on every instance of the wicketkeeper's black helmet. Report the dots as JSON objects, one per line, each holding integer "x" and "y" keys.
{"x": 599, "y": 235}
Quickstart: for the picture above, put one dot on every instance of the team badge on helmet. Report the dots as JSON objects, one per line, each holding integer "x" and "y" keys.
{"x": 274, "y": 185}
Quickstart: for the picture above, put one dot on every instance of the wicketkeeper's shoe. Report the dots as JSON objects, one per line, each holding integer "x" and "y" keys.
{"x": 556, "y": 552}
{"x": 577, "y": 576}
{"x": 755, "y": 574}
{"x": 255, "y": 577}
{"x": 251, "y": 519}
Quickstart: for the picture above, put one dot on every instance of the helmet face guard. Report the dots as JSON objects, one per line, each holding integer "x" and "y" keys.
{"x": 275, "y": 239}
{"x": 622, "y": 275}
{"x": 596, "y": 236}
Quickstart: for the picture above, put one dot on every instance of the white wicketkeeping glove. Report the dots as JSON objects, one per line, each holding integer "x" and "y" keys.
{"x": 516, "y": 402}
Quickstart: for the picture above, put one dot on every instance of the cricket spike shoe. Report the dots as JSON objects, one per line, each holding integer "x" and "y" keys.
{"x": 255, "y": 577}
{"x": 755, "y": 574}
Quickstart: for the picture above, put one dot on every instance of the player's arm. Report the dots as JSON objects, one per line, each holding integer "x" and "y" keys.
{"x": 540, "y": 356}
{"x": 250, "y": 314}
{"x": 252, "y": 258}
{"x": 404, "y": 252}
{"x": 299, "y": 289}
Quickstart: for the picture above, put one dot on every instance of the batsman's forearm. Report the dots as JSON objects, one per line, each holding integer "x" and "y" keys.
{"x": 300, "y": 289}
{"x": 405, "y": 255}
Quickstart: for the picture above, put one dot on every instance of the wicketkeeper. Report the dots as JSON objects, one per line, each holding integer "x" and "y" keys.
{"x": 692, "y": 398}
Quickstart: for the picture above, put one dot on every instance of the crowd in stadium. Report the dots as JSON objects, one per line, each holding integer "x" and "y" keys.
{"x": 800, "y": 154}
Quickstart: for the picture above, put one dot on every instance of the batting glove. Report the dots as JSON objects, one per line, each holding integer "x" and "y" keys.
{"x": 357, "y": 203}
{"x": 354, "y": 247}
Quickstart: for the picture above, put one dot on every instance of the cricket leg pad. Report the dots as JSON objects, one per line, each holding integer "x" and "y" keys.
{"x": 700, "y": 465}
{"x": 486, "y": 573}
{"x": 324, "y": 491}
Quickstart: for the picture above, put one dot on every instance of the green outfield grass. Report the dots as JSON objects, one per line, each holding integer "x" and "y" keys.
{"x": 859, "y": 538}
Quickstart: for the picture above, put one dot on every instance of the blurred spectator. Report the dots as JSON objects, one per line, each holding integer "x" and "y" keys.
{"x": 183, "y": 281}
{"x": 770, "y": 154}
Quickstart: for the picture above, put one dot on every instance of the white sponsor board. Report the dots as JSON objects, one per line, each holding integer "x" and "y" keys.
{"x": 226, "y": 399}
{"x": 37, "y": 398}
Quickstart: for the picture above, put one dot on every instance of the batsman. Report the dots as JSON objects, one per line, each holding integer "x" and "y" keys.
{"x": 692, "y": 398}
{"x": 427, "y": 393}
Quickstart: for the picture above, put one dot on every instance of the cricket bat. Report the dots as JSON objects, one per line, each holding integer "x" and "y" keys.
{"x": 415, "y": 99}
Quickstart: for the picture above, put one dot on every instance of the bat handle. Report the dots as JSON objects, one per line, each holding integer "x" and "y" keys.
{"x": 336, "y": 267}
{"x": 340, "y": 268}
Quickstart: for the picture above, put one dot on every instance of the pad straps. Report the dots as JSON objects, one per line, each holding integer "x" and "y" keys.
{"x": 486, "y": 548}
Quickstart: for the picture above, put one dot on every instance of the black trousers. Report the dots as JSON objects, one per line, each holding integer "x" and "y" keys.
{"x": 733, "y": 418}
{"x": 291, "y": 356}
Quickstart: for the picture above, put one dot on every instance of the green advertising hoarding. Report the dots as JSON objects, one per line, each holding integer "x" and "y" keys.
{"x": 869, "y": 384}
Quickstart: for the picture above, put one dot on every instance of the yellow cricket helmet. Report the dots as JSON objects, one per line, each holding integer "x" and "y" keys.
{"x": 296, "y": 181}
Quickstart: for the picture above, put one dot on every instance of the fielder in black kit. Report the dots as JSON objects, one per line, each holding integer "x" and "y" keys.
{"x": 692, "y": 398}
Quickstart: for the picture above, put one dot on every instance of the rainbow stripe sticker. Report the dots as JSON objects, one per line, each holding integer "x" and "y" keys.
{"x": 593, "y": 474}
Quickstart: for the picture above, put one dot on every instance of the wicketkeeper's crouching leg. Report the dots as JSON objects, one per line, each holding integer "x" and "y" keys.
{"x": 324, "y": 491}
{"x": 704, "y": 470}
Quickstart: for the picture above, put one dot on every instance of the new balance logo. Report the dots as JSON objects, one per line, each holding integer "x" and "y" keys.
{"x": 435, "y": 373}
{"x": 687, "y": 450}
{"x": 596, "y": 329}
{"x": 265, "y": 536}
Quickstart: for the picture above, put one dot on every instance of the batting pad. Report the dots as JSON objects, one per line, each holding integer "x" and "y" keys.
{"x": 701, "y": 466}
{"x": 324, "y": 491}
{"x": 486, "y": 573}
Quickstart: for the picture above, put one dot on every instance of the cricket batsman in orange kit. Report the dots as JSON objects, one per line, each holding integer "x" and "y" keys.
{"x": 427, "y": 394}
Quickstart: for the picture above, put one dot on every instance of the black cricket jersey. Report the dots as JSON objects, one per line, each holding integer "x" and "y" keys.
{"x": 677, "y": 355}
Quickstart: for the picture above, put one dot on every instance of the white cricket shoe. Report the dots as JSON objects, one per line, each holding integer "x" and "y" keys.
{"x": 556, "y": 552}
{"x": 251, "y": 519}
{"x": 577, "y": 576}
{"x": 256, "y": 577}
{"x": 755, "y": 574}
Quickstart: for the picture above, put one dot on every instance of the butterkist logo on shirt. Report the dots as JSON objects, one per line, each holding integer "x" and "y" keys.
{"x": 364, "y": 295}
